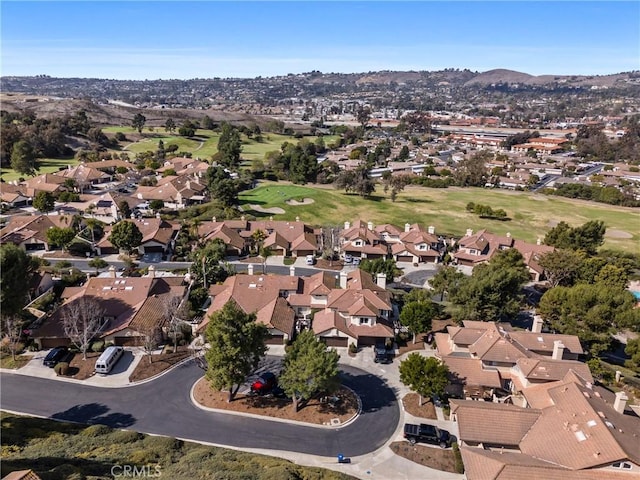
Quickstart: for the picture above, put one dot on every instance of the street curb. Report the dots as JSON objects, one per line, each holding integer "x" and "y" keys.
{"x": 274, "y": 419}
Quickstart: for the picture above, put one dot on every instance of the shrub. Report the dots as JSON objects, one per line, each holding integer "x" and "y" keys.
{"x": 121, "y": 137}
{"x": 61, "y": 368}
{"x": 124, "y": 436}
{"x": 97, "y": 346}
{"x": 95, "y": 431}
{"x": 353, "y": 348}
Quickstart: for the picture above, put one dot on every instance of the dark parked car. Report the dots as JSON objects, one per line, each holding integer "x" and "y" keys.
{"x": 426, "y": 434}
{"x": 55, "y": 356}
{"x": 265, "y": 384}
{"x": 382, "y": 355}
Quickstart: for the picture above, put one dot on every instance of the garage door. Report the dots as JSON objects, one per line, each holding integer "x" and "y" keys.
{"x": 405, "y": 258}
{"x": 335, "y": 341}
{"x": 275, "y": 340}
{"x": 54, "y": 342}
{"x": 362, "y": 341}
{"x": 153, "y": 249}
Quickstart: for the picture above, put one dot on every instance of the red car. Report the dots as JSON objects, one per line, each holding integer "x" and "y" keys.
{"x": 264, "y": 384}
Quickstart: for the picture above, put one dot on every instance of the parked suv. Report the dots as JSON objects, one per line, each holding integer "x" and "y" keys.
{"x": 56, "y": 355}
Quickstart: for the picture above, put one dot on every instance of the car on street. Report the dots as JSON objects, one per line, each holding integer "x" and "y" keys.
{"x": 266, "y": 383}
{"x": 310, "y": 260}
{"x": 55, "y": 356}
{"x": 382, "y": 355}
{"x": 348, "y": 258}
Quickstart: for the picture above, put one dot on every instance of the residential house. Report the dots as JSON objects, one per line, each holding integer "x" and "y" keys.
{"x": 12, "y": 196}
{"x": 157, "y": 237}
{"x": 361, "y": 241}
{"x": 30, "y": 231}
{"x": 353, "y": 309}
{"x": 571, "y": 429}
{"x": 542, "y": 145}
{"x": 176, "y": 192}
{"x": 85, "y": 176}
{"x": 474, "y": 249}
{"x": 489, "y": 360}
{"x": 133, "y": 307}
{"x": 415, "y": 245}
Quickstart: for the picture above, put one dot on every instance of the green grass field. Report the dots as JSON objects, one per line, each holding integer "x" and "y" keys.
{"x": 531, "y": 215}
{"x": 47, "y": 165}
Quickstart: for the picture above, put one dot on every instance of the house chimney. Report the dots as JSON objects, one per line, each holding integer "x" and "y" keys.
{"x": 297, "y": 219}
{"x": 381, "y": 280}
{"x": 508, "y": 234}
{"x": 431, "y": 230}
{"x": 620, "y": 402}
{"x": 537, "y": 324}
{"x": 370, "y": 225}
{"x": 242, "y": 218}
{"x": 558, "y": 350}
{"x": 271, "y": 218}
{"x": 343, "y": 280}
{"x": 112, "y": 271}
{"x": 347, "y": 225}
{"x": 407, "y": 227}
{"x": 292, "y": 271}
{"x": 213, "y": 219}
{"x": 538, "y": 241}
{"x": 469, "y": 232}
{"x": 188, "y": 183}
{"x": 152, "y": 271}
{"x": 250, "y": 269}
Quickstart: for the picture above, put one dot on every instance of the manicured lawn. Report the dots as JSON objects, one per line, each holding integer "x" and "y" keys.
{"x": 47, "y": 165}
{"x": 531, "y": 215}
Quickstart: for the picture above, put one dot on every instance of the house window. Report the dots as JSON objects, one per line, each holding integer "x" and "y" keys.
{"x": 363, "y": 321}
{"x": 622, "y": 465}
{"x": 422, "y": 247}
{"x": 358, "y": 243}
{"x": 472, "y": 252}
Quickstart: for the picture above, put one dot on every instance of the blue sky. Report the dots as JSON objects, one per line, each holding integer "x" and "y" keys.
{"x": 205, "y": 39}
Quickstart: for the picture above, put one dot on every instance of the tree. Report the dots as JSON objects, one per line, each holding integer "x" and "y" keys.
{"x": 124, "y": 209}
{"x": 428, "y": 377}
{"x": 447, "y": 280}
{"x": 206, "y": 268}
{"x": 381, "y": 265}
{"x": 170, "y": 125}
{"x": 587, "y": 237}
{"x": 309, "y": 367}
{"x": 229, "y": 146}
{"x": 493, "y": 292}
{"x": 17, "y": 268}
{"x": 82, "y": 320}
{"x": 156, "y": 205}
{"x": 613, "y": 276}
{"x": 61, "y": 237}
{"x": 44, "y": 202}
{"x": 417, "y": 316}
{"x": 97, "y": 263}
{"x": 561, "y": 266}
{"x": 138, "y": 122}
{"x": 237, "y": 343}
{"x": 171, "y": 306}
{"x": 591, "y": 312}
{"x": 472, "y": 171}
{"x": 264, "y": 253}
{"x": 12, "y": 332}
{"x": 633, "y": 350}
{"x": 23, "y": 158}
{"x": 151, "y": 336}
{"x": 363, "y": 114}
{"x": 222, "y": 187}
{"x": 125, "y": 235}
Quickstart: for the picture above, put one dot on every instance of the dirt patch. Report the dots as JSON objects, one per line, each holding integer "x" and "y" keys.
{"x": 82, "y": 369}
{"x": 304, "y": 201}
{"x": 432, "y": 457}
{"x": 159, "y": 364}
{"x": 411, "y": 404}
{"x": 327, "y": 265}
{"x": 315, "y": 411}
{"x": 612, "y": 233}
{"x": 409, "y": 346}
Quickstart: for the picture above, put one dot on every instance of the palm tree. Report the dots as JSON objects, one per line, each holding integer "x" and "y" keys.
{"x": 264, "y": 253}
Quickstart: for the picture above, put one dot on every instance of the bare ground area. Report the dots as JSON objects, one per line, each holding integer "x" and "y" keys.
{"x": 305, "y": 201}
{"x": 411, "y": 404}
{"x": 612, "y": 233}
{"x": 159, "y": 364}
{"x": 82, "y": 369}
{"x": 315, "y": 411}
{"x": 432, "y": 457}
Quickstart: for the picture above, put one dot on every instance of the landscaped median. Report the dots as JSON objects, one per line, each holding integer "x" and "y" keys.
{"x": 337, "y": 410}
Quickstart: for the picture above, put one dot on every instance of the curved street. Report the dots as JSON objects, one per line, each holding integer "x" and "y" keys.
{"x": 164, "y": 407}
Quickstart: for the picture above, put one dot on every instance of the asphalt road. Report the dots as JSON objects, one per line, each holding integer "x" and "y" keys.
{"x": 164, "y": 407}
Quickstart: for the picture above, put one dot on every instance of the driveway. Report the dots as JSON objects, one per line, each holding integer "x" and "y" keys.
{"x": 164, "y": 407}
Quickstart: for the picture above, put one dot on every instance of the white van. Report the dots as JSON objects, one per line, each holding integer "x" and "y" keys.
{"x": 311, "y": 259}
{"x": 108, "y": 359}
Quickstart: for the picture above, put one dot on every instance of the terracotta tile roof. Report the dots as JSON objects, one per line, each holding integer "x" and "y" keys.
{"x": 493, "y": 346}
{"x": 82, "y": 173}
{"x": 325, "y": 320}
{"x": 222, "y": 232}
{"x": 23, "y": 227}
{"x": 359, "y": 279}
{"x": 552, "y": 370}
{"x": 277, "y": 314}
{"x": 306, "y": 241}
{"x": 493, "y": 423}
{"x": 465, "y": 336}
{"x": 469, "y": 371}
{"x": 442, "y": 344}
{"x": 320, "y": 283}
{"x": 22, "y": 475}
